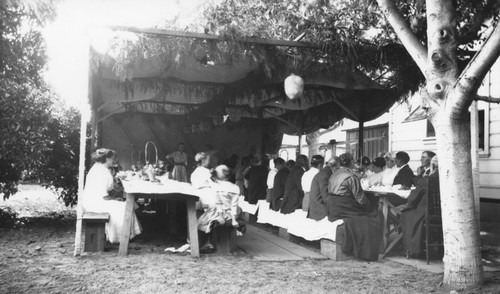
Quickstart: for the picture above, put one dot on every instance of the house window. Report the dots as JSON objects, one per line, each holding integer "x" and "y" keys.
{"x": 480, "y": 114}
{"x": 430, "y": 130}
{"x": 483, "y": 115}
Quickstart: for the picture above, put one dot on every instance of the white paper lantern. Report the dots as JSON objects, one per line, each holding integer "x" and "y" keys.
{"x": 294, "y": 86}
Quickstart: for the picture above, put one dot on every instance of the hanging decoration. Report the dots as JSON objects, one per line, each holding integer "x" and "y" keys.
{"x": 294, "y": 86}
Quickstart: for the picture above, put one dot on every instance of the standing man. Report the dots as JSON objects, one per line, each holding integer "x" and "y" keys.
{"x": 294, "y": 193}
{"x": 316, "y": 165}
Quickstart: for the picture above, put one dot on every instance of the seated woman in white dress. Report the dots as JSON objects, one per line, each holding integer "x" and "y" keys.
{"x": 201, "y": 178}
{"x": 96, "y": 196}
{"x": 391, "y": 169}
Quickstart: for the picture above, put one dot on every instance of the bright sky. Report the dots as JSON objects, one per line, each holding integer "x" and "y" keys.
{"x": 79, "y": 23}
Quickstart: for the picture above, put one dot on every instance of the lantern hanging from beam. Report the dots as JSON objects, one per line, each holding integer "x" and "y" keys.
{"x": 294, "y": 86}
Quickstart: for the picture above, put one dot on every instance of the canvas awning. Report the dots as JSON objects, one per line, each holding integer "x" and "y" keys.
{"x": 199, "y": 91}
{"x": 189, "y": 95}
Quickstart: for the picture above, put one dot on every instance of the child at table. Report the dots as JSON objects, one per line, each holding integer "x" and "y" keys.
{"x": 225, "y": 209}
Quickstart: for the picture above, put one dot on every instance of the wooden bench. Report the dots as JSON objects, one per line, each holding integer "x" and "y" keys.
{"x": 328, "y": 248}
{"x": 333, "y": 249}
{"x": 94, "y": 226}
{"x": 224, "y": 238}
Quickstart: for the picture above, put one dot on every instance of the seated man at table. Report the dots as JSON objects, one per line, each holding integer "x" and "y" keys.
{"x": 319, "y": 190}
{"x": 279, "y": 163}
{"x": 279, "y": 185}
{"x": 413, "y": 216}
{"x": 347, "y": 201}
{"x": 292, "y": 199}
{"x": 405, "y": 175}
{"x": 307, "y": 178}
{"x": 225, "y": 209}
{"x": 425, "y": 169}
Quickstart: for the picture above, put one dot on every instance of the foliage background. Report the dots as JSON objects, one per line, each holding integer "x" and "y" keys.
{"x": 39, "y": 136}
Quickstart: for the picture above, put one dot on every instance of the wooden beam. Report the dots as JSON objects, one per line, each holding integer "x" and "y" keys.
{"x": 86, "y": 94}
{"x": 345, "y": 108}
{"x": 281, "y": 119}
{"x": 253, "y": 40}
{"x": 361, "y": 144}
{"x": 110, "y": 114}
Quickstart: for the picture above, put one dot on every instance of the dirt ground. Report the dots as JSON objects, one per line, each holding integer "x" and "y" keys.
{"x": 37, "y": 257}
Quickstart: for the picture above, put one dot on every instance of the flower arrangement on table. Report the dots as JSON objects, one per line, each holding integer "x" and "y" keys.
{"x": 148, "y": 172}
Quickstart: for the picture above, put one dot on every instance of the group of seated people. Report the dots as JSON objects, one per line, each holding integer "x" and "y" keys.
{"x": 217, "y": 206}
{"x": 333, "y": 190}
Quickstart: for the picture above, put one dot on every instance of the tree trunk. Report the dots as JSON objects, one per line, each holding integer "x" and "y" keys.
{"x": 462, "y": 254}
{"x": 446, "y": 99}
{"x": 312, "y": 141}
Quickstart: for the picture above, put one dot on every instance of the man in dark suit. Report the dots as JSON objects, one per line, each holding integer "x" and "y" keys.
{"x": 319, "y": 190}
{"x": 294, "y": 193}
{"x": 279, "y": 185}
{"x": 405, "y": 175}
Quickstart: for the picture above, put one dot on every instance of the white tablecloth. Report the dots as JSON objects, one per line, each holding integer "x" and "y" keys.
{"x": 165, "y": 187}
{"x": 388, "y": 189}
{"x": 298, "y": 224}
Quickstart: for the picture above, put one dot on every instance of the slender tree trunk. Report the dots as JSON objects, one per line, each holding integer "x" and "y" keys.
{"x": 312, "y": 141}
{"x": 462, "y": 255}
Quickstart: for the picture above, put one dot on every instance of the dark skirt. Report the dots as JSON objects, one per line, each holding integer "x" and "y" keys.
{"x": 363, "y": 226}
{"x": 412, "y": 225}
{"x": 340, "y": 207}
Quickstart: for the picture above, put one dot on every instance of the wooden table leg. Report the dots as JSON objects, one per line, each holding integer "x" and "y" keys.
{"x": 394, "y": 242}
{"x": 127, "y": 222}
{"x": 172, "y": 216}
{"x": 193, "y": 228}
{"x": 385, "y": 212}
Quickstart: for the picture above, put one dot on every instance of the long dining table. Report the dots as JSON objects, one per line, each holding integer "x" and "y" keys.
{"x": 384, "y": 195}
{"x": 167, "y": 190}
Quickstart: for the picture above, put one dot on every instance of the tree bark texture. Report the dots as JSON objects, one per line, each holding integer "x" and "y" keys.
{"x": 447, "y": 97}
{"x": 462, "y": 255}
{"x": 450, "y": 116}
{"x": 312, "y": 141}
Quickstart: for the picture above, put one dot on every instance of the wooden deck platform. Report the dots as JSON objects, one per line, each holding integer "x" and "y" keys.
{"x": 265, "y": 246}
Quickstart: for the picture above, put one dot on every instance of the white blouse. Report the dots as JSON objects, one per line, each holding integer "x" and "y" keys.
{"x": 389, "y": 175}
{"x": 201, "y": 177}
{"x": 99, "y": 181}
